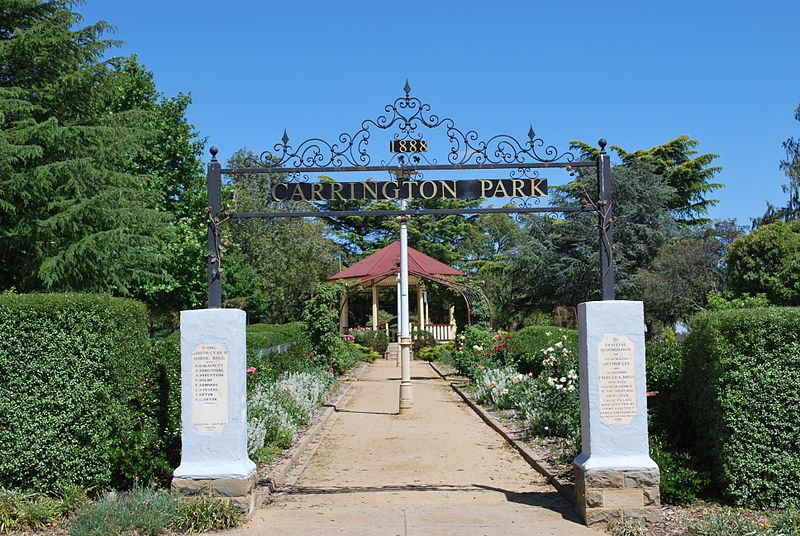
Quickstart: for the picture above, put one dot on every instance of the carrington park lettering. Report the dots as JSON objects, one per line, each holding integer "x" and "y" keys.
{"x": 409, "y": 189}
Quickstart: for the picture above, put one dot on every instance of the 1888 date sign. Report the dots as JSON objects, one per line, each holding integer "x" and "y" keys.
{"x": 296, "y": 170}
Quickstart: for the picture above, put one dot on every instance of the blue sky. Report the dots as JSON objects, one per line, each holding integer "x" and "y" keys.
{"x": 636, "y": 73}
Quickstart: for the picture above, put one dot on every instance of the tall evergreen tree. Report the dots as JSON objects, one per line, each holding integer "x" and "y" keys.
{"x": 71, "y": 217}
{"x": 686, "y": 173}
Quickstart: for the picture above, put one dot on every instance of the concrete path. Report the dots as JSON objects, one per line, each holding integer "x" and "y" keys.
{"x": 438, "y": 471}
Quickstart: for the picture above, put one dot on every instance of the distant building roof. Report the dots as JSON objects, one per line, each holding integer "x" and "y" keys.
{"x": 386, "y": 262}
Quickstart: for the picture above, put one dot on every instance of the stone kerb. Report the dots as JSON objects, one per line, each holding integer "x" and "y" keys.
{"x": 615, "y": 478}
{"x": 214, "y": 458}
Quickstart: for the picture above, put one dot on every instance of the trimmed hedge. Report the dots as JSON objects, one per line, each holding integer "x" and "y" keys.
{"x": 262, "y": 336}
{"x": 742, "y": 373}
{"x": 79, "y": 393}
{"x": 527, "y": 344}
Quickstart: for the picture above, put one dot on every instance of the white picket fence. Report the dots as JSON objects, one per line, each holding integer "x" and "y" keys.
{"x": 442, "y": 332}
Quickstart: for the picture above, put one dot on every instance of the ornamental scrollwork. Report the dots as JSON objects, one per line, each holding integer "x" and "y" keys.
{"x": 409, "y": 115}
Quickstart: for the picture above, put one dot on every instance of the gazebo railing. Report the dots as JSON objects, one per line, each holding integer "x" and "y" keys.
{"x": 442, "y": 332}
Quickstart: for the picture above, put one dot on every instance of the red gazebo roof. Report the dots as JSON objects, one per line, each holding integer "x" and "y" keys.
{"x": 382, "y": 263}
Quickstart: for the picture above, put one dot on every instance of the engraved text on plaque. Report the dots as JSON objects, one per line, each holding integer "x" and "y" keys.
{"x": 616, "y": 356}
{"x": 210, "y": 387}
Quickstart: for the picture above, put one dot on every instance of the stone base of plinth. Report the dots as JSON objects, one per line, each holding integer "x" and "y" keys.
{"x": 614, "y": 496}
{"x": 240, "y": 492}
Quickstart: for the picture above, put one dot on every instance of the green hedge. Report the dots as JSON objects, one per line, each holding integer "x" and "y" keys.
{"x": 262, "y": 336}
{"x": 79, "y": 393}
{"x": 527, "y": 344}
{"x": 741, "y": 380}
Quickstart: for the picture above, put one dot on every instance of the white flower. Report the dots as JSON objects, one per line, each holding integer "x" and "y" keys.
{"x": 504, "y": 392}
{"x": 551, "y": 349}
{"x": 571, "y": 387}
{"x": 559, "y": 344}
{"x": 563, "y": 379}
{"x": 551, "y": 381}
{"x": 548, "y": 333}
{"x": 558, "y": 386}
{"x": 572, "y": 374}
{"x": 478, "y": 348}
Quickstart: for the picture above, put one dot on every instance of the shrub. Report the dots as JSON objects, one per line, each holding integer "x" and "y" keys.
{"x": 203, "y": 514}
{"x": 367, "y": 354}
{"x": 344, "y": 357}
{"x": 277, "y": 408}
{"x": 25, "y": 510}
{"x": 421, "y": 339}
{"x": 265, "y": 336}
{"x": 440, "y": 352}
{"x": 682, "y": 482}
{"x": 553, "y": 408}
{"x": 146, "y": 512}
{"x": 473, "y": 348}
{"x": 503, "y": 387}
{"x": 741, "y": 376}
{"x": 375, "y": 339}
{"x": 526, "y": 346}
{"x": 77, "y": 395}
{"x": 151, "y": 512}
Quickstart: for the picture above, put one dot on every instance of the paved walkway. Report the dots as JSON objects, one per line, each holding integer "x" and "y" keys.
{"x": 438, "y": 471}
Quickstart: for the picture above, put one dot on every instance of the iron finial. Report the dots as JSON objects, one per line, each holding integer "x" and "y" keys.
{"x": 407, "y": 88}
{"x": 285, "y": 138}
{"x": 531, "y": 133}
{"x": 602, "y": 143}
{"x": 213, "y": 152}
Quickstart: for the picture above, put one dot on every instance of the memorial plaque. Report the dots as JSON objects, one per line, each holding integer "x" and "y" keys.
{"x": 616, "y": 355}
{"x": 210, "y": 387}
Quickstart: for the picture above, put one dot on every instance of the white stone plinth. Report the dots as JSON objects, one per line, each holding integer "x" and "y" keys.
{"x": 213, "y": 396}
{"x": 613, "y": 389}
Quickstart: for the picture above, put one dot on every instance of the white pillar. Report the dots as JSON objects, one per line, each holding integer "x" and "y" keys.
{"x": 406, "y": 396}
{"x": 399, "y": 316}
{"x": 615, "y": 477}
{"x": 214, "y": 456}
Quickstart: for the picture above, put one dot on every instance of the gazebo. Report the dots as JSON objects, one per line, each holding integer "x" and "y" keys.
{"x": 381, "y": 269}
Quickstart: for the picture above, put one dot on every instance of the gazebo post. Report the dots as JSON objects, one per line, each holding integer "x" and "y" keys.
{"x": 344, "y": 312}
{"x": 375, "y": 307}
{"x": 420, "y": 308}
{"x": 453, "y": 327}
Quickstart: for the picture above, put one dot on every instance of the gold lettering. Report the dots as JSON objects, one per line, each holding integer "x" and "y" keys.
{"x": 395, "y": 188}
{"x": 422, "y": 189}
{"x": 336, "y": 191}
{"x": 352, "y": 191}
{"x": 299, "y": 194}
{"x": 536, "y": 187}
{"x": 500, "y": 186}
{"x": 372, "y": 188}
{"x": 485, "y": 187}
{"x": 450, "y": 186}
{"x": 409, "y": 189}
{"x": 275, "y": 191}
{"x": 517, "y": 186}
{"x": 316, "y": 192}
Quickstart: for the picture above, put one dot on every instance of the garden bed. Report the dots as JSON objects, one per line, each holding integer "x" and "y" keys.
{"x": 553, "y": 458}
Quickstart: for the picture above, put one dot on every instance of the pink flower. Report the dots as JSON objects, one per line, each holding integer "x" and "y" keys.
{"x": 251, "y": 370}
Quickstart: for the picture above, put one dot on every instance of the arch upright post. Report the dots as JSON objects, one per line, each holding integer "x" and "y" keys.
{"x": 605, "y": 218}
{"x": 214, "y": 231}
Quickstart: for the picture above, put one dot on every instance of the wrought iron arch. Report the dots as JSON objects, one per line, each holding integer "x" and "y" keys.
{"x": 405, "y": 119}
